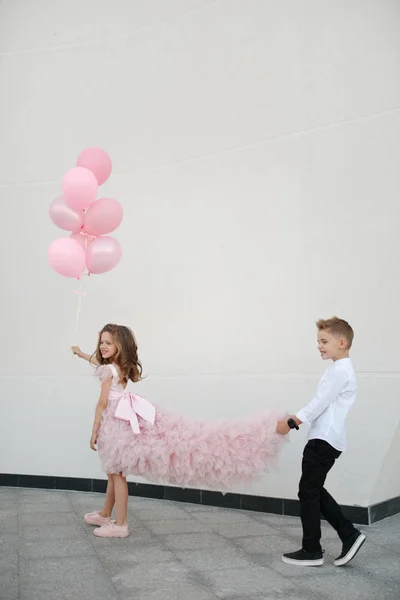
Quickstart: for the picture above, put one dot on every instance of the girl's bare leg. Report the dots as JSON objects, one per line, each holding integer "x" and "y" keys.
{"x": 121, "y": 498}
{"x": 110, "y": 498}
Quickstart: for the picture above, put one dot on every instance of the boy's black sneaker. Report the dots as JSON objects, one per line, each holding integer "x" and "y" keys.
{"x": 350, "y": 548}
{"x": 301, "y": 558}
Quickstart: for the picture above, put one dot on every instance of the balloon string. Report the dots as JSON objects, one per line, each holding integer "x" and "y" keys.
{"x": 80, "y": 293}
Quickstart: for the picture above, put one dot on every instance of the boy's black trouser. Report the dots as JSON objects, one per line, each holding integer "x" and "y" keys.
{"x": 318, "y": 458}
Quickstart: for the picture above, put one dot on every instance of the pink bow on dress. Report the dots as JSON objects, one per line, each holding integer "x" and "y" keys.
{"x": 132, "y": 405}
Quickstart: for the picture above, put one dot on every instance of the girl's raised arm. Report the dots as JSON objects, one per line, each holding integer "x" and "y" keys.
{"x": 90, "y": 358}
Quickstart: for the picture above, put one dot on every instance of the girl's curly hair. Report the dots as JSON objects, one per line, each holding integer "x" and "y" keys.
{"x": 126, "y": 356}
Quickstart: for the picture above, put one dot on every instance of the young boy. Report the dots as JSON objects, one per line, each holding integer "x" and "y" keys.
{"x": 325, "y": 415}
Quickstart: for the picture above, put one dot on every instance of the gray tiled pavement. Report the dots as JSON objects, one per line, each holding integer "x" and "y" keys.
{"x": 177, "y": 552}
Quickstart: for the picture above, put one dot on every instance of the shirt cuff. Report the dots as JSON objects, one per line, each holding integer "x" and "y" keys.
{"x": 302, "y": 417}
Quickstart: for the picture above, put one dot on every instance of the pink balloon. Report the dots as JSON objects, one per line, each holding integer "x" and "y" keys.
{"x": 67, "y": 257}
{"x": 80, "y": 188}
{"x": 97, "y": 161}
{"x": 103, "y": 254}
{"x": 64, "y": 216}
{"x": 103, "y": 216}
{"x": 82, "y": 239}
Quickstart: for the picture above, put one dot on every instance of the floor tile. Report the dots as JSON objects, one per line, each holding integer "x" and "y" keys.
{"x": 77, "y": 578}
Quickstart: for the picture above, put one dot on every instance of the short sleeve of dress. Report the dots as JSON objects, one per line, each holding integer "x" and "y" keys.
{"x": 104, "y": 372}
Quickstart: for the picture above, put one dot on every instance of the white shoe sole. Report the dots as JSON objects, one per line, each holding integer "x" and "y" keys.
{"x": 318, "y": 562}
{"x": 351, "y": 553}
{"x": 121, "y": 534}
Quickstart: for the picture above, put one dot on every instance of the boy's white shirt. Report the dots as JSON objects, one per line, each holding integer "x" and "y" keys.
{"x": 327, "y": 411}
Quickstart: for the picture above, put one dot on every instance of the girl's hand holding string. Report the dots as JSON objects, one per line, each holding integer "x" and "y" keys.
{"x": 90, "y": 358}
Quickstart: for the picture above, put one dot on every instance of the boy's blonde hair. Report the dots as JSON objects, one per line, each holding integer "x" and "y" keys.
{"x": 337, "y": 327}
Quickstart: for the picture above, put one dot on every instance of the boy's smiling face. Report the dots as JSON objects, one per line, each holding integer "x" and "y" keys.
{"x": 331, "y": 347}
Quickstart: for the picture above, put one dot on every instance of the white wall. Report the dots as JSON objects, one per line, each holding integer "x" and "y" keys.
{"x": 255, "y": 148}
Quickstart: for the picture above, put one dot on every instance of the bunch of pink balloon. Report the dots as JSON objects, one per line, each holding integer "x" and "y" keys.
{"x": 89, "y": 220}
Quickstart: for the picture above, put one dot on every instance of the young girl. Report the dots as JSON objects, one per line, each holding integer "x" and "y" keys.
{"x": 133, "y": 438}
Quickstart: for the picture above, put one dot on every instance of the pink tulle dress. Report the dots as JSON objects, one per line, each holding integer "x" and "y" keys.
{"x": 135, "y": 438}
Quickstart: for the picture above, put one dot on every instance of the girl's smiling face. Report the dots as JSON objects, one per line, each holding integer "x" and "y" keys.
{"x": 107, "y": 346}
